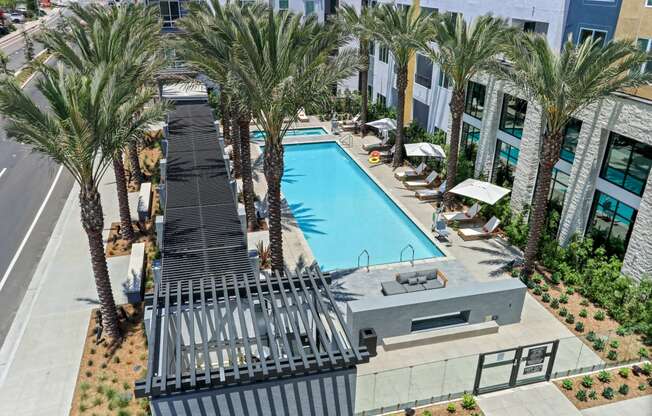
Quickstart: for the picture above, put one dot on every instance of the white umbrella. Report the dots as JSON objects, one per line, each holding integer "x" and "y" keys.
{"x": 383, "y": 124}
{"x": 425, "y": 150}
{"x": 480, "y": 190}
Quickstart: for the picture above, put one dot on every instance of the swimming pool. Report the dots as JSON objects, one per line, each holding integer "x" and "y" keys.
{"x": 341, "y": 211}
{"x": 305, "y": 131}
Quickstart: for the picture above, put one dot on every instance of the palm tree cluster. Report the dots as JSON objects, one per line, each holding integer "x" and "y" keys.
{"x": 561, "y": 84}
{"x": 99, "y": 100}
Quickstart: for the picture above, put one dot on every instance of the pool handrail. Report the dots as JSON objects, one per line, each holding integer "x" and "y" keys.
{"x": 403, "y": 249}
{"x": 368, "y": 258}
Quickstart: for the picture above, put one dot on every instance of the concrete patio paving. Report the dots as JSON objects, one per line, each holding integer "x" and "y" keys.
{"x": 543, "y": 399}
{"x": 637, "y": 406}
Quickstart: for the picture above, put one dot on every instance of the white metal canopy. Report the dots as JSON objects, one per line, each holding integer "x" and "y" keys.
{"x": 480, "y": 190}
{"x": 383, "y": 124}
{"x": 425, "y": 149}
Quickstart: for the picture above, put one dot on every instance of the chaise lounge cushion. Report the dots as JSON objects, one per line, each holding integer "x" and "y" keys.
{"x": 392, "y": 288}
{"x": 414, "y": 288}
{"x": 422, "y": 279}
{"x": 412, "y": 281}
{"x": 433, "y": 284}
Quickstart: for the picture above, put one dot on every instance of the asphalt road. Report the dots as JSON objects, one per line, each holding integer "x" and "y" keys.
{"x": 26, "y": 179}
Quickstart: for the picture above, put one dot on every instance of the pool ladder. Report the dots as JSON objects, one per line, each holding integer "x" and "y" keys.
{"x": 347, "y": 141}
{"x": 411, "y": 248}
{"x": 368, "y": 257}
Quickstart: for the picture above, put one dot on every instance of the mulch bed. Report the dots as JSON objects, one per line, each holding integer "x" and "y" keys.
{"x": 632, "y": 381}
{"x": 107, "y": 375}
{"x": 117, "y": 246}
{"x": 441, "y": 410}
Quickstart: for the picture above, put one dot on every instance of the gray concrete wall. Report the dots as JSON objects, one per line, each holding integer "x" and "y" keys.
{"x": 392, "y": 316}
{"x": 320, "y": 395}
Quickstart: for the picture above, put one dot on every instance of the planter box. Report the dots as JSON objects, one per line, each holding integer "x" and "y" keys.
{"x": 133, "y": 286}
{"x": 144, "y": 201}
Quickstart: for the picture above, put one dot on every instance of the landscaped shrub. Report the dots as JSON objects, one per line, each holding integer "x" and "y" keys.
{"x": 614, "y": 344}
{"x": 425, "y": 413}
{"x": 621, "y": 331}
{"x": 593, "y": 395}
{"x": 584, "y": 302}
{"x": 579, "y": 326}
{"x": 545, "y": 298}
{"x": 646, "y": 368}
{"x": 570, "y": 291}
{"x": 563, "y": 312}
{"x": 468, "y": 401}
{"x": 584, "y": 313}
{"x": 517, "y": 230}
{"x": 536, "y": 278}
{"x": 554, "y": 303}
{"x": 624, "y": 372}
{"x": 643, "y": 353}
{"x": 581, "y": 395}
{"x": 598, "y": 344}
{"x": 537, "y": 290}
{"x": 555, "y": 278}
{"x": 608, "y": 393}
{"x": 591, "y": 336}
{"x": 612, "y": 355}
{"x": 451, "y": 408}
{"x": 570, "y": 318}
{"x": 642, "y": 386}
{"x": 623, "y": 389}
{"x": 599, "y": 315}
{"x": 604, "y": 376}
{"x": 587, "y": 381}
{"x": 563, "y": 298}
{"x": 545, "y": 287}
{"x": 567, "y": 385}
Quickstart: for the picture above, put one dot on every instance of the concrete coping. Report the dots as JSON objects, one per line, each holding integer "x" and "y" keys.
{"x": 144, "y": 200}
{"x": 440, "y": 335}
{"x": 133, "y": 285}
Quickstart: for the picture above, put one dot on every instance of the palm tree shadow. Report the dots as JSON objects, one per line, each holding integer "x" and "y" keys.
{"x": 299, "y": 215}
{"x": 504, "y": 259}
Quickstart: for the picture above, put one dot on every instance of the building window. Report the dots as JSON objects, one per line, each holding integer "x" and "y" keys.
{"x": 470, "y": 139}
{"x": 512, "y": 117}
{"x": 599, "y": 35}
{"x": 571, "y": 135}
{"x": 370, "y": 92}
{"x": 169, "y": 12}
{"x": 383, "y": 53}
{"x": 505, "y": 162}
{"x": 648, "y": 3}
{"x": 558, "y": 189}
{"x": 372, "y": 48}
{"x": 627, "y": 163}
{"x": 444, "y": 81}
{"x": 423, "y": 74}
{"x": 431, "y": 10}
{"x": 420, "y": 113}
{"x": 310, "y": 7}
{"x": 474, "y": 105}
{"x": 646, "y": 46}
{"x": 381, "y": 99}
{"x": 611, "y": 223}
{"x": 283, "y": 4}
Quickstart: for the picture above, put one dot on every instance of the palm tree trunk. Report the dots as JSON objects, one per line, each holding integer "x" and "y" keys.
{"x": 92, "y": 219}
{"x": 401, "y": 85}
{"x": 225, "y": 117}
{"x": 247, "y": 179}
{"x": 235, "y": 139}
{"x": 364, "y": 80}
{"x": 273, "y": 174}
{"x": 134, "y": 161}
{"x": 126, "y": 228}
{"x": 548, "y": 157}
{"x": 457, "y": 108}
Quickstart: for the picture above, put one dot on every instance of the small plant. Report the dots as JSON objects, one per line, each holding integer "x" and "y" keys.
{"x": 103, "y": 365}
{"x": 591, "y": 336}
{"x": 89, "y": 363}
{"x": 584, "y": 302}
{"x": 110, "y": 393}
{"x": 126, "y": 386}
{"x": 537, "y": 278}
{"x": 102, "y": 377}
{"x": 599, "y": 315}
{"x": 624, "y": 372}
{"x": 82, "y": 407}
{"x": 426, "y": 413}
{"x": 567, "y": 385}
{"x": 614, "y": 344}
{"x": 563, "y": 298}
{"x": 545, "y": 287}
{"x": 581, "y": 395}
{"x": 516, "y": 273}
{"x": 579, "y": 326}
{"x": 570, "y": 291}
{"x": 554, "y": 303}
{"x": 587, "y": 381}
{"x": 88, "y": 373}
{"x": 612, "y": 355}
{"x": 563, "y": 312}
{"x": 593, "y": 395}
{"x": 97, "y": 401}
{"x": 621, "y": 331}
{"x": 583, "y": 313}
{"x": 598, "y": 344}
{"x": 451, "y": 408}
{"x": 123, "y": 412}
{"x": 545, "y": 298}
{"x": 116, "y": 359}
{"x": 100, "y": 388}
{"x": 537, "y": 290}
{"x": 264, "y": 255}
{"x": 91, "y": 351}
{"x": 570, "y": 318}
{"x": 642, "y": 352}
{"x": 555, "y": 278}
{"x": 646, "y": 369}
{"x": 608, "y": 393}
{"x": 604, "y": 376}
{"x": 642, "y": 386}
{"x": 623, "y": 389}
{"x": 468, "y": 402}
{"x": 84, "y": 386}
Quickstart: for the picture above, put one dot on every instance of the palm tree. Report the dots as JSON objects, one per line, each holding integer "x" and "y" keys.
{"x": 462, "y": 51}
{"x": 125, "y": 36}
{"x": 285, "y": 62}
{"x": 76, "y": 130}
{"x": 208, "y": 46}
{"x": 562, "y": 84}
{"x": 361, "y": 25}
{"x": 402, "y": 30}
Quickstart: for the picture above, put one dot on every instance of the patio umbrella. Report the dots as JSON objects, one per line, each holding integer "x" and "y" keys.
{"x": 383, "y": 124}
{"x": 480, "y": 190}
{"x": 424, "y": 149}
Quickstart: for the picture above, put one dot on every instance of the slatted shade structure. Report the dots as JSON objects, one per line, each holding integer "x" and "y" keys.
{"x": 223, "y": 332}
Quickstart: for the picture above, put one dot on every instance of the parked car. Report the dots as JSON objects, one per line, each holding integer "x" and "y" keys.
{"x": 16, "y": 17}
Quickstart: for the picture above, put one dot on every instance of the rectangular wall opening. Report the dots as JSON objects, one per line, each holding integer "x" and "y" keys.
{"x": 440, "y": 321}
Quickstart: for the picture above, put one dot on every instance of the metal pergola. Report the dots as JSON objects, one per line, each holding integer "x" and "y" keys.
{"x": 226, "y": 331}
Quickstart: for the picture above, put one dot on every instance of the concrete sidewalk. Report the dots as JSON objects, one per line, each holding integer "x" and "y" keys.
{"x": 40, "y": 358}
{"x": 638, "y": 406}
{"x": 541, "y": 399}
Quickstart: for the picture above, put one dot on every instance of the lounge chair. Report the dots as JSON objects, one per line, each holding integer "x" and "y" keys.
{"x": 301, "y": 116}
{"x": 422, "y": 183}
{"x": 477, "y": 233}
{"x": 350, "y": 124}
{"x": 431, "y": 194}
{"x": 463, "y": 216}
{"x": 381, "y": 145}
{"x": 417, "y": 173}
{"x": 439, "y": 228}
{"x": 387, "y": 155}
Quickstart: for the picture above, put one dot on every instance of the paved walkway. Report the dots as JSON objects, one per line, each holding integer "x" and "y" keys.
{"x": 542, "y": 399}
{"x": 638, "y": 406}
{"x": 40, "y": 358}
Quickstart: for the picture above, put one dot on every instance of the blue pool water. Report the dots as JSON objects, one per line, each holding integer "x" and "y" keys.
{"x": 307, "y": 131}
{"x": 341, "y": 211}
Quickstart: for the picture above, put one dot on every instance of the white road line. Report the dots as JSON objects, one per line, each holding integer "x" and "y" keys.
{"x": 2, "y": 172}
{"x": 31, "y": 228}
